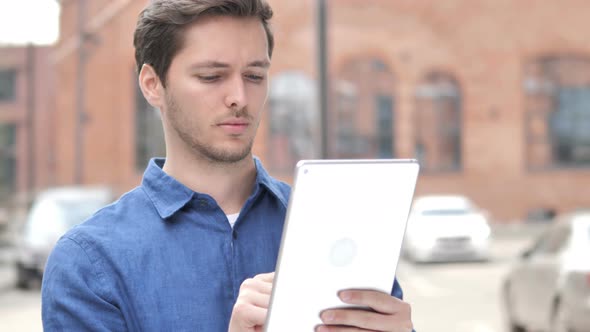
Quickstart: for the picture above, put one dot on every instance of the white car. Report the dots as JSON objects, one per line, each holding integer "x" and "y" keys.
{"x": 446, "y": 228}
{"x": 53, "y": 213}
{"x": 548, "y": 288}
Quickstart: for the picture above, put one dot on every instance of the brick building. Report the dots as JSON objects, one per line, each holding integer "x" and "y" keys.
{"x": 26, "y": 127}
{"x": 492, "y": 96}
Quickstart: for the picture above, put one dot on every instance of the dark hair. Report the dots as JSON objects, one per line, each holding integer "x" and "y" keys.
{"x": 159, "y": 34}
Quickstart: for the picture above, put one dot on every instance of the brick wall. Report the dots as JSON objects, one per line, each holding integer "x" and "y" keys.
{"x": 483, "y": 44}
{"x": 31, "y": 112}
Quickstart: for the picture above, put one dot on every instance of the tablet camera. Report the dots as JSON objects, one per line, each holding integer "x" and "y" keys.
{"x": 343, "y": 252}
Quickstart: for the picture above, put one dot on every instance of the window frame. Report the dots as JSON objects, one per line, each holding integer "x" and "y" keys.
{"x": 541, "y": 93}
{"x": 453, "y": 131}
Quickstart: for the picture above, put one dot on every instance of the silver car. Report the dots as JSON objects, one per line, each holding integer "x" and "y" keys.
{"x": 447, "y": 228}
{"x": 53, "y": 212}
{"x": 548, "y": 289}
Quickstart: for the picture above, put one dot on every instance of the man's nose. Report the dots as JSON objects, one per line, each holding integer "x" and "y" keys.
{"x": 236, "y": 94}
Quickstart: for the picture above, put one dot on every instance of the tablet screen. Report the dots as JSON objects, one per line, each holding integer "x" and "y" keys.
{"x": 344, "y": 229}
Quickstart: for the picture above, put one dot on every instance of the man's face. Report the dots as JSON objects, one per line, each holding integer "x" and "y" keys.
{"x": 217, "y": 86}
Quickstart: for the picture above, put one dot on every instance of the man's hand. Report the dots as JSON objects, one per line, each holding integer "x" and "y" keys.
{"x": 390, "y": 314}
{"x": 249, "y": 313}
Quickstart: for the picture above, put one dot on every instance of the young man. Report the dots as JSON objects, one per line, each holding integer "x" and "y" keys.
{"x": 194, "y": 246}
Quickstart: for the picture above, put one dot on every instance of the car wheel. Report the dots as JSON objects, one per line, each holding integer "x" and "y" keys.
{"x": 515, "y": 328}
{"x": 559, "y": 320}
{"x": 511, "y": 326}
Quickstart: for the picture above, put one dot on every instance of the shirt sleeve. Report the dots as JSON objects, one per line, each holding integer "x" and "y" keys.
{"x": 72, "y": 298}
{"x": 397, "y": 292}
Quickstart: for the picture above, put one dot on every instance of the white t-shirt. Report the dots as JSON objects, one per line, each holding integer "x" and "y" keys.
{"x": 232, "y": 218}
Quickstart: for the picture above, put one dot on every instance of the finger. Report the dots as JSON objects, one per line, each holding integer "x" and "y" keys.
{"x": 370, "y": 320}
{"x": 257, "y": 285}
{"x": 335, "y": 328}
{"x": 255, "y": 298}
{"x": 248, "y": 314}
{"x": 266, "y": 277}
{"x": 257, "y": 315}
{"x": 361, "y": 319}
{"x": 378, "y": 301}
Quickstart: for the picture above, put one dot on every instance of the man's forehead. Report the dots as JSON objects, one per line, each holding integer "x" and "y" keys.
{"x": 264, "y": 64}
{"x": 211, "y": 25}
{"x": 226, "y": 41}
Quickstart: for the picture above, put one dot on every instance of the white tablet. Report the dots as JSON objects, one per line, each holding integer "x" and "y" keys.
{"x": 344, "y": 229}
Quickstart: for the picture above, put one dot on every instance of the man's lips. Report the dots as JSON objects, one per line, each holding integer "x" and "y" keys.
{"x": 234, "y": 123}
{"x": 234, "y": 127}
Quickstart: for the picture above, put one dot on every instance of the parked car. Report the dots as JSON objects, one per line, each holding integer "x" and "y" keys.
{"x": 446, "y": 228}
{"x": 548, "y": 288}
{"x": 52, "y": 213}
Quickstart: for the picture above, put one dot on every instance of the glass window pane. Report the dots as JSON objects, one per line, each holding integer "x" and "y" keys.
{"x": 558, "y": 93}
{"x": 363, "y": 110}
{"x": 7, "y": 159}
{"x": 438, "y": 123}
{"x": 385, "y": 126}
{"x": 7, "y": 84}
{"x": 570, "y": 125}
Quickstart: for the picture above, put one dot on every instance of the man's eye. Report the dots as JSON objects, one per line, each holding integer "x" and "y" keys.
{"x": 208, "y": 78}
{"x": 255, "y": 78}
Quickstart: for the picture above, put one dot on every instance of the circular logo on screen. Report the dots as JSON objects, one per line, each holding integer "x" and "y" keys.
{"x": 343, "y": 252}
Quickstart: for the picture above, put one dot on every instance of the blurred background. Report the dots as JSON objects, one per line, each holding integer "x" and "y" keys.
{"x": 491, "y": 96}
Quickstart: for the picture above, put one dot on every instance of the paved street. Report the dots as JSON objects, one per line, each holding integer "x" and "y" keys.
{"x": 454, "y": 298}
{"x": 20, "y": 311}
{"x": 460, "y": 297}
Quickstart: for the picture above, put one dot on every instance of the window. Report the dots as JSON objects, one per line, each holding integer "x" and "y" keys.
{"x": 363, "y": 114}
{"x": 557, "y": 118}
{"x": 346, "y": 104}
{"x": 7, "y": 160}
{"x": 384, "y": 126}
{"x": 438, "y": 123}
{"x": 149, "y": 135}
{"x": 293, "y": 121}
{"x": 7, "y": 85}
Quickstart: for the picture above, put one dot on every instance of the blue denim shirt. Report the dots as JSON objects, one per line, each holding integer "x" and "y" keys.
{"x": 163, "y": 258}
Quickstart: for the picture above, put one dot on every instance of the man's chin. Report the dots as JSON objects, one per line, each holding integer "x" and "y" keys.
{"x": 228, "y": 156}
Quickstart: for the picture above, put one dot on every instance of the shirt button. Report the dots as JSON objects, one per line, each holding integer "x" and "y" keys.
{"x": 203, "y": 203}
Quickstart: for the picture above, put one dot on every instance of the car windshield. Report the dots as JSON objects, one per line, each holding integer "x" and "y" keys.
{"x": 445, "y": 212}
{"x": 50, "y": 218}
{"x": 75, "y": 212}
{"x": 59, "y": 215}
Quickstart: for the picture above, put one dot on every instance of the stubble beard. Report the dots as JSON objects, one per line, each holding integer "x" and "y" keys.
{"x": 200, "y": 149}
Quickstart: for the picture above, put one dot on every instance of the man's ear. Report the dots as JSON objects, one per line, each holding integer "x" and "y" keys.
{"x": 151, "y": 86}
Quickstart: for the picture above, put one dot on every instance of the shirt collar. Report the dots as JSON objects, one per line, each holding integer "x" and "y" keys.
{"x": 169, "y": 195}
{"x": 166, "y": 193}
{"x": 271, "y": 184}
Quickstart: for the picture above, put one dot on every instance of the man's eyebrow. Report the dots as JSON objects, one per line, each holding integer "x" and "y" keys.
{"x": 209, "y": 64}
{"x": 261, "y": 64}
{"x": 216, "y": 64}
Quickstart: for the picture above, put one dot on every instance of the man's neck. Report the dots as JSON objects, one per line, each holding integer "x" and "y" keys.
{"x": 230, "y": 184}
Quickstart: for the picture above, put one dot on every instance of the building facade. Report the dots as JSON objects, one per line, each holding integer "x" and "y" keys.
{"x": 26, "y": 125}
{"x": 493, "y": 97}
